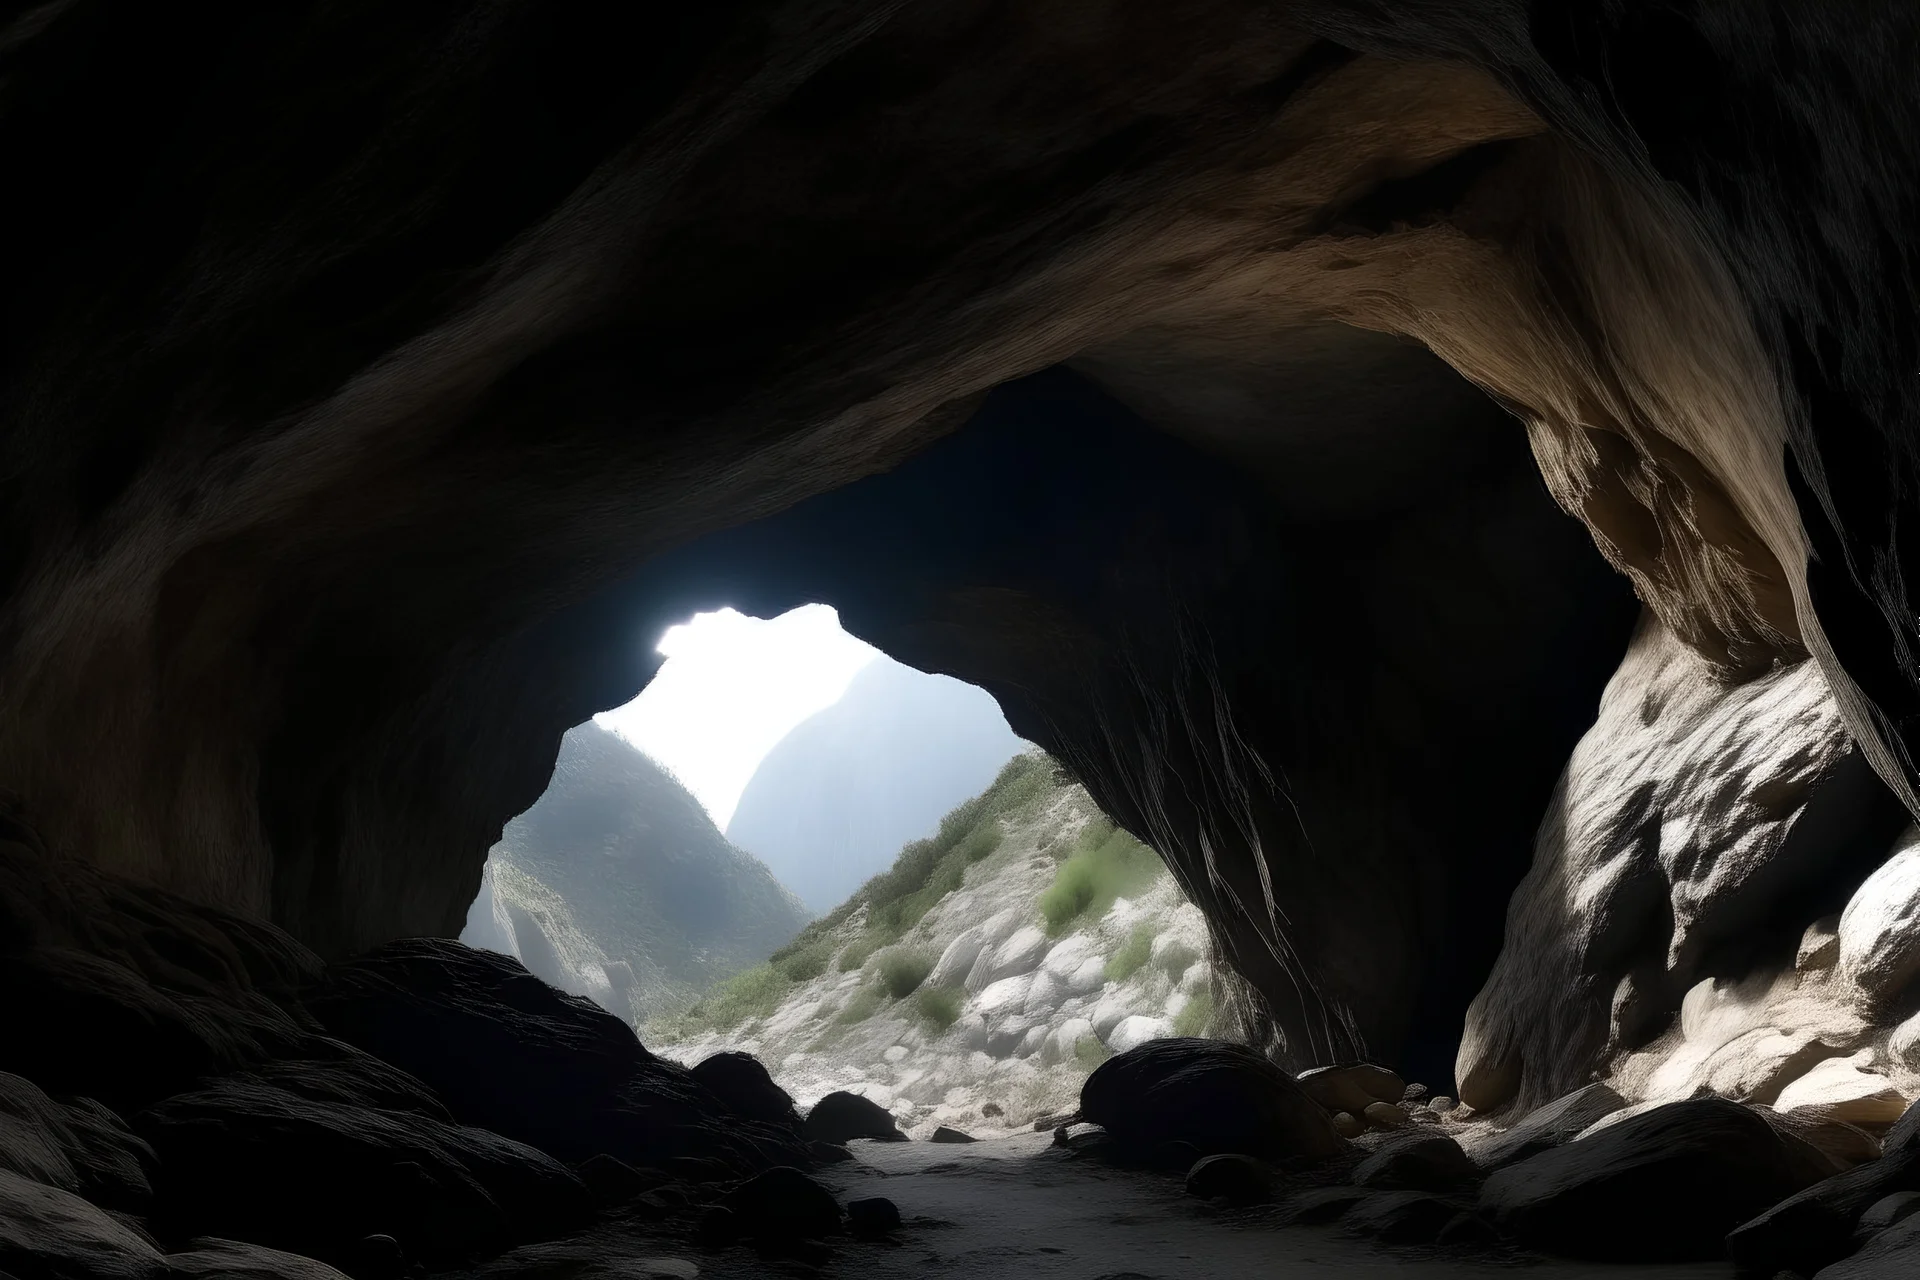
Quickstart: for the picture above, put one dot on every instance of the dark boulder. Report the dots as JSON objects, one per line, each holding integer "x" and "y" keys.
{"x": 1665, "y": 1185}
{"x": 783, "y": 1204}
{"x": 1319, "y": 1205}
{"x": 250, "y": 1161}
{"x": 1417, "y": 1161}
{"x": 872, "y": 1216}
{"x": 945, "y": 1134}
{"x": 506, "y": 1052}
{"x": 1401, "y": 1217}
{"x": 77, "y": 1146}
{"x": 841, "y": 1117}
{"x": 1220, "y": 1097}
{"x": 1543, "y": 1128}
{"x": 1894, "y": 1254}
{"x": 1237, "y": 1179}
{"x": 614, "y": 1181}
{"x": 211, "y": 1258}
{"x": 50, "y": 1234}
{"x": 744, "y": 1088}
{"x": 1807, "y": 1230}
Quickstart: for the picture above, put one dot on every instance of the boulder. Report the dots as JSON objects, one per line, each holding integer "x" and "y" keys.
{"x": 1137, "y": 1029}
{"x": 77, "y": 1146}
{"x": 1114, "y": 1008}
{"x": 1044, "y": 994}
{"x": 1418, "y": 1161}
{"x": 1665, "y": 1185}
{"x": 1089, "y": 977}
{"x": 1841, "y": 1089}
{"x": 1238, "y": 1179}
{"x": 1063, "y": 1041}
{"x": 1030, "y": 1043}
{"x": 211, "y": 1258}
{"x": 507, "y": 1052}
{"x": 744, "y": 1088}
{"x": 1543, "y": 1128}
{"x": 1904, "y": 1043}
{"x": 48, "y": 1232}
{"x": 783, "y": 1204}
{"x": 1401, "y": 1217}
{"x": 1217, "y": 1096}
{"x": 1386, "y": 1115}
{"x": 246, "y": 1160}
{"x": 945, "y": 1134}
{"x": 1879, "y": 948}
{"x": 872, "y": 1216}
{"x": 1008, "y": 995}
{"x": 1886, "y": 1211}
{"x": 1352, "y": 1086}
{"x": 1067, "y": 956}
{"x": 1815, "y": 1226}
{"x": 841, "y": 1117}
{"x": 1819, "y": 945}
{"x": 1019, "y": 954}
{"x": 1005, "y": 1038}
{"x": 957, "y": 959}
{"x": 1893, "y": 1254}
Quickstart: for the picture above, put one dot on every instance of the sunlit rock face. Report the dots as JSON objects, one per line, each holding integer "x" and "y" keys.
{"x": 356, "y": 405}
{"x": 1721, "y": 900}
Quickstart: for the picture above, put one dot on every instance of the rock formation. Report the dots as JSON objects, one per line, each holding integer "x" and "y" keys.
{"x": 834, "y": 800}
{"x": 617, "y": 886}
{"x": 1335, "y": 375}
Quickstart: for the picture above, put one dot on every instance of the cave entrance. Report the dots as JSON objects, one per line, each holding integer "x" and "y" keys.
{"x": 794, "y": 845}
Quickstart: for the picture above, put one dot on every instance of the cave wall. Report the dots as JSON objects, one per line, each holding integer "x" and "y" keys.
{"x": 373, "y": 351}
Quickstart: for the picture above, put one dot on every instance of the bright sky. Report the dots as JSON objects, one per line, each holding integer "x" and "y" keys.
{"x": 730, "y": 688}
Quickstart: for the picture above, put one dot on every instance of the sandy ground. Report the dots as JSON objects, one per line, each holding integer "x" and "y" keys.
{"x": 1015, "y": 1207}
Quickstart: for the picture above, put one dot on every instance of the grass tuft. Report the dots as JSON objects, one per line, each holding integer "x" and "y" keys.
{"x": 1133, "y": 953}
{"x": 1196, "y": 1017}
{"x": 1089, "y": 1052}
{"x": 902, "y": 971}
{"x": 940, "y": 1006}
{"x": 1107, "y": 863}
{"x": 859, "y": 1007}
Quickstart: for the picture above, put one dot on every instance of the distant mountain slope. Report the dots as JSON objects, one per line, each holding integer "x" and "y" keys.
{"x": 616, "y": 884}
{"x": 835, "y": 799}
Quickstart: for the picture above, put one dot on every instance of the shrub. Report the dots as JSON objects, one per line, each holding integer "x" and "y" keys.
{"x": 856, "y": 954}
{"x": 1106, "y": 864}
{"x": 1133, "y": 953}
{"x": 902, "y": 971}
{"x": 752, "y": 993}
{"x": 940, "y": 1006}
{"x": 1196, "y": 1016}
{"x": 1089, "y": 1052}
{"x": 859, "y": 1006}
{"x": 977, "y": 844}
{"x": 807, "y": 963}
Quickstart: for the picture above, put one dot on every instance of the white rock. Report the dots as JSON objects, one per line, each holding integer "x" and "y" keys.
{"x": 1044, "y": 994}
{"x": 1176, "y": 1002}
{"x": 1031, "y": 1042}
{"x": 1819, "y": 945}
{"x": 1114, "y": 1008}
{"x": 1063, "y": 1039}
{"x": 1004, "y": 996}
{"x": 1839, "y": 1089}
{"x": 1068, "y": 955}
{"x": 1089, "y": 977}
{"x": 1904, "y": 1043}
{"x": 958, "y": 959}
{"x": 1007, "y": 1036}
{"x": 969, "y": 1034}
{"x": 1137, "y": 1029}
{"x": 874, "y": 1092}
{"x": 1022, "y": 953}
{"x": 1880, "y": 929}
{"x": 896, "y": 1053}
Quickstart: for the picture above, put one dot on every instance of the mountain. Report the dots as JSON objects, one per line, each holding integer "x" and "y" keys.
{"x": 617, "y": 885}
{"x": 835, "y": 799}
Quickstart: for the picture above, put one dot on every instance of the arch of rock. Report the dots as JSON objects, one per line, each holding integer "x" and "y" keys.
{"x": 1185, "y": 374}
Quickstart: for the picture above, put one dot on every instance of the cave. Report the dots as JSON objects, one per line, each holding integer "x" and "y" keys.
{"x": 1434, "y": 473}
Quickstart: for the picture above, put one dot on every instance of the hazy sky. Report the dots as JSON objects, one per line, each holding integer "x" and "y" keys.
{"x": 730, "y": 688}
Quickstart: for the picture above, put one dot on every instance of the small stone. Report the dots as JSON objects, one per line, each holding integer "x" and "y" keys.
{"x": 1385, "y": 1115}
{"x": 873, "y": 1216}
{"x": 1442, "y": 1104}
{"x": 944, "y": 1134}
{"x": 1240, "y": 1180}
{"x": 1351, "y": 1087}
{"x": 1347, "y": 1125}
{"x": 784, "y": 1203}
{"x": 1416, "y": 1093}
{"x": 992, "y": 1111}
{"x": 1417, "y": 1162}
{"x": 1819, "y": 945}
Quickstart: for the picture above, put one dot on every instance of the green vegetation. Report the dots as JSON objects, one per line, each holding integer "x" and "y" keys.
{"x": 1133, "y": 953}
{"x": 856, "y": 954}
{"x": 928, "y": 870}
{"x": 751, "y": 993}
{"x": 808, "y": 962}
{"x": 1089, "y": 1052}
{"x": 902, "y": 971}
{"x": 940, "y": 1006}
{"x": 1176, "y": 959}
{"x": 1196, "y": 1016}
{"x": 860, "y": 1006}
{"x": 1106, "y": 863}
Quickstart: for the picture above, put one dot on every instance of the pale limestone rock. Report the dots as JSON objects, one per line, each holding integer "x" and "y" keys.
{"x": 957, "y": 960}
{"x": 1819, "y": 945}
{"x": 1137, "y": 1029}
{"x": 1756, "y": 1066}
{"x": 1880, "y": 929}
{"x": 1088, "y": 978}
{"x": 1007, "y": 1036}
{"x": 1177, "y": 1001}
{"x": 1904, "y": 1043}
{"x": 1842, "y": 1089}
{"x": 1031, "y": 1042}
{"x": 1002, "y": 997}
{"x": 969, "y": 1034}
{"x": 1068, "y": 955}
{"x": 1114, "y": 1008}
{"x": 896, "y": 1053}
{"x": 1063, "y": 1039}
{"x": 1021, "y": 953}
{"x": 1044, "y": 994}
